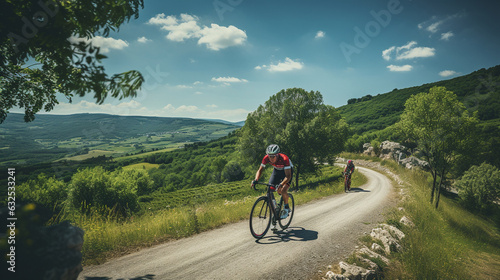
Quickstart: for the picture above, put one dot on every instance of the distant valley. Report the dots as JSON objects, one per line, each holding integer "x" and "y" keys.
{"x": 82, "y": 136}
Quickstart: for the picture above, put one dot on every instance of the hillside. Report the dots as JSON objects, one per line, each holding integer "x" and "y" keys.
{"x": 479, "y": 91}
{"x": 81, "y": 136}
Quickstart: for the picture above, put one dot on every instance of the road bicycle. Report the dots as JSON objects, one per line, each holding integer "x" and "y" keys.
{"x": 266, "y": 211}
{"x": 347, "y": 181}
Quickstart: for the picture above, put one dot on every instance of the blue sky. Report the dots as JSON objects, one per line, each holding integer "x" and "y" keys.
{"x": 221, "y": 59}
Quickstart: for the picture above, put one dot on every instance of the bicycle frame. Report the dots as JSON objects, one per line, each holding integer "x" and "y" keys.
{"x": 270, "y": 197}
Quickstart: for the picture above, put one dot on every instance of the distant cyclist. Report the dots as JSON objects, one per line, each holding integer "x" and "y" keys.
{"x": 348, "y": 170}
{"x": 282, "y": 173}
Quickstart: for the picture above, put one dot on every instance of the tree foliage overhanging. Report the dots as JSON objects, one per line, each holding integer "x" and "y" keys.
{"x": 47, "y": 49}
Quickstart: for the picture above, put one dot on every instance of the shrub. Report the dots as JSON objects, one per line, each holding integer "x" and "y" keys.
{"x": 95, "y": 189}
{"x": 479, "y": 187}
{"x": 48, "y": 192}
{"x": 232, "y": 172}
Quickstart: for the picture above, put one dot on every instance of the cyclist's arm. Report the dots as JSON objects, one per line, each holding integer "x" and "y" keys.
{"x": 259, "y": 173}
{"x": 288, "y": 176}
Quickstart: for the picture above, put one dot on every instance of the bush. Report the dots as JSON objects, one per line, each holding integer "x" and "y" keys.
{"x": 479, "y": 187}
{"x": 48, "y": 192}
{"x": 95, "y": 189}
{"x": 232, "y": 172}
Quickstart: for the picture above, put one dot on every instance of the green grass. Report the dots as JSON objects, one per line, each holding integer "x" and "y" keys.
{"x": 447, "y": 243}
{"x": 141, "y": 165}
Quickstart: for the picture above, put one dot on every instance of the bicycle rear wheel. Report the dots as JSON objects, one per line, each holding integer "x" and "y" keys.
{"x": 260, "y": 217}
{"x": 284, "y": 223}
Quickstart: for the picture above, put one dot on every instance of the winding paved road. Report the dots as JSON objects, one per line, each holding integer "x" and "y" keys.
{"x": 322, "y": 232}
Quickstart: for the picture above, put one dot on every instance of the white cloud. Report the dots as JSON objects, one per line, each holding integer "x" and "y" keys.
{"x": 288, "y": 65}
{"x": 104, "y": 43}
{"x": 160, "y": 19}
{"x": 434, "y": 24}
{"x": 183, "y": 86}
{"x": 219, "y": 37}
{"x": 433, "y": 28}
{"x": 404, "y": 68}
{"x": 215, "y": 37}
{"x": 386, "y": 54}
{"x": 229, "y": 80}
{"x": 319, "y": 34}
{"x": 447, "y": 73}
{"x": 416, "y": 53}
{"x": 408, "y": 51}
{"x": 143, "y": 40}
{"x": 446, "y": 36}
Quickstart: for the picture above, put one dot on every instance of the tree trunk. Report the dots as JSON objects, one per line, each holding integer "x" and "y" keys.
{"x": 297, "y": 178}
{"x": 439, "y": 188}
{"x": 297, "y": 168}
{"x": 434, "y": 175}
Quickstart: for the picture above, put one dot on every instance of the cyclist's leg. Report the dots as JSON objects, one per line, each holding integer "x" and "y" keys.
{"x": 284, "y": 190}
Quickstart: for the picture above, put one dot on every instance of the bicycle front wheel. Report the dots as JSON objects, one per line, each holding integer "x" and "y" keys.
{"x": 285, "y": 223}
{"x": 260, "y": 217}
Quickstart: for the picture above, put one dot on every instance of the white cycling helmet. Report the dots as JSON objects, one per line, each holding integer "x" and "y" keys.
{"x": 272, "y": 149}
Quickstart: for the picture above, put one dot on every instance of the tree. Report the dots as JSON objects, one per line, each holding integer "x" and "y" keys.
{"x": 479, "y": 187}
{"x": 47, "y": 49}
{"x": 442, "y": 128}
{"x": 217, "y": 167}
{"x": 307, "y": 130}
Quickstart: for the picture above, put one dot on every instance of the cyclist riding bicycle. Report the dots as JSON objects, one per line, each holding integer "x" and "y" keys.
{"x": 349, "y": 169}
{"x": 282, "y": 173}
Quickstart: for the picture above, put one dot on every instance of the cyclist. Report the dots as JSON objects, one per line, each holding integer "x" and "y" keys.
{"x": 349, "y": 169}
{"x": 282, "y": 173}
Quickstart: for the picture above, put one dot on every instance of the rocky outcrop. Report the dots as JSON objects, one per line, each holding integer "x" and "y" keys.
{"x": 63, "y": 245}
{"x": 390, "y": 236}
{"x": 368, "y": 149}
{"x": 397, "y": 152}
{"x": 413, "y": 162}
{"x": 366, "y": 267}
{"x": 393, "y": 150}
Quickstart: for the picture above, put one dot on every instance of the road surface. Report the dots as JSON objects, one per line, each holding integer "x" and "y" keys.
{"x": 322, "y": 232}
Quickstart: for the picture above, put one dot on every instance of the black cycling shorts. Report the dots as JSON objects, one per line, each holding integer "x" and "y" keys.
{"x": 278, "y": 176}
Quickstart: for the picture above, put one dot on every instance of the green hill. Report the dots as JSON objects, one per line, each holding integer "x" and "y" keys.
{"x": 80, "y": 136}
{"x": 479, "y": 91}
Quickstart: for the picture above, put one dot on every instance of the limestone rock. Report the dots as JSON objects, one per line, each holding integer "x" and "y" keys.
{"x": 355, "y": 272}
{"x": 406, "y": 221}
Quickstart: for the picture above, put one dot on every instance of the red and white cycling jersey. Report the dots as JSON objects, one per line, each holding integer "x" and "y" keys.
{"x": 282, "y": 163}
